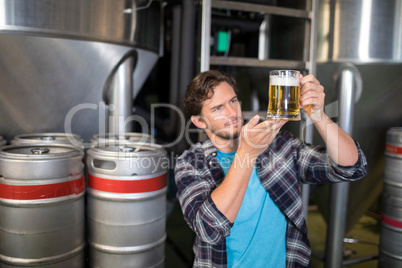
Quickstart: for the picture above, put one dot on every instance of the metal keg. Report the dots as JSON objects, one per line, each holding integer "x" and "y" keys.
{"x": 49, "y": 138}
{"x": 390, "y": 254}
{"x": 3, "y": 142}
{"x": 126, "y": 210}
{"x": 42, "y": 191}
{"x": 118, "y": 139}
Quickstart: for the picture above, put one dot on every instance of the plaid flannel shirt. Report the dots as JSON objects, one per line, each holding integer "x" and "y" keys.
{"x": 281, "y": 168}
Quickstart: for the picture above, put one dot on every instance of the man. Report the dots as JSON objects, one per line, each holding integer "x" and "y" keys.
{"x": 240, "y": 189}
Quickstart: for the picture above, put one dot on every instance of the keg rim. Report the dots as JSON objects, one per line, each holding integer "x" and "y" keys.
{"x": 113, "y": 135}
{"x": 70, "y": 151}
{"x": 127, "y": 249}
{"x": 394, "y": 134}
{"x": 113, "y": 139}
{"x": 47, "y": 260}
{"x": 59, "y": 137}
{"x": 130, "y": 149}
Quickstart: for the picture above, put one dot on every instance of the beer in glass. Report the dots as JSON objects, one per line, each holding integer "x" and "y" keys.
{"x": 284, "y": 93}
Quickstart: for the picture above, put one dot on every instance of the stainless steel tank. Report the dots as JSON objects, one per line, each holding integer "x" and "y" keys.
{"x": 349, "y": 39}
{"x": 390, "y": 252}
{"x": 126, "y": 209}
{"x": 42, "y": 191}
{"x": 67, "y": 65}
{"x": 360, "y": 31}
{"x": 359, "y": 46}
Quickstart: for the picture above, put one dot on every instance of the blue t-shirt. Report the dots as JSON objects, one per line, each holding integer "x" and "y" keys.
{"x": 258, "y": 235}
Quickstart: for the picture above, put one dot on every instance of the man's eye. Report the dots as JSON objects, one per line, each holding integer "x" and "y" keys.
{"x": 233, "y": 101}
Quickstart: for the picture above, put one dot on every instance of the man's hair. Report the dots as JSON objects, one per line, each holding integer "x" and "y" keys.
{"x": 202, "y": 88}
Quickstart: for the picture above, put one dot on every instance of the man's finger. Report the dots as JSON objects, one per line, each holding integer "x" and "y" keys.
{"x": 275, "y": 124}
{"x": 253, "y": 121}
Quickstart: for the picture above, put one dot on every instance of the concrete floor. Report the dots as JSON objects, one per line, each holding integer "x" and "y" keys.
{"x": 179, "y": 242}
{"x": 366, "y": 231}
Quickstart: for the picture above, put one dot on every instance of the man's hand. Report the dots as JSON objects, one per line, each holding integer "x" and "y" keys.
{"x": 312, "y": 97}
{"x": 255, "y": 138}
{"x": 340, "y": 145}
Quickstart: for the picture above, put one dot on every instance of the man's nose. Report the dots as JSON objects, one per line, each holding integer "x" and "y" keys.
{"x": 231, "y": 111}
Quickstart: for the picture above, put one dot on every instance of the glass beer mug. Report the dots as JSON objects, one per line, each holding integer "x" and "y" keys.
{"x": 284, "y": 93}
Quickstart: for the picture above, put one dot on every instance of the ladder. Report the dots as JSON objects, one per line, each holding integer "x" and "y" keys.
{"x": 335, "y": 232}
{"x": 310, "y": 15}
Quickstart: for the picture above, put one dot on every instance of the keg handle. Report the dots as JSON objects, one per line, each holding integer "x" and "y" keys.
{"x": 103, "y": 164}
{"x": 40, "y": 150}
{"x": 130, "y": 149}
{"x": 126, "y": 149}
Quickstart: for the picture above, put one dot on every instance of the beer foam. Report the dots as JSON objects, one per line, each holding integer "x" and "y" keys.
{"x": 276, "y": 80}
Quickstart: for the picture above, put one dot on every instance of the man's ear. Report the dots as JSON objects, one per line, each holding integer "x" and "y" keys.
{"x": 198, "y": 122}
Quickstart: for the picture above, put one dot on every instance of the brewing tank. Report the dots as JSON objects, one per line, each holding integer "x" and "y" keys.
{"x": 59, "y": 60}
{"x": 363, "y": 38}
{"x": 361, "y": 31}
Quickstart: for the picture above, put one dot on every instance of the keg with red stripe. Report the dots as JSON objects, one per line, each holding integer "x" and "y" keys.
{"x": 120, "y": 139}
{"x": 127, "y": 205}
{"x": 391, "y": 223}
{"x": 42, "y": 190}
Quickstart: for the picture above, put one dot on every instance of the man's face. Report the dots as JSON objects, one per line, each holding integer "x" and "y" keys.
{"x": 222, "y": 113}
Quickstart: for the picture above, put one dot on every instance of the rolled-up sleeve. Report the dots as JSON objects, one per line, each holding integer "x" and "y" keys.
{"x": 194, "y": 187}
{"x": 316, "y": 166}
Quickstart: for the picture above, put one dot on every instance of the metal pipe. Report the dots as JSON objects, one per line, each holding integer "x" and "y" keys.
{"x": 263, "y": 38}
{"x": 186, "y": 47}
{"x": 205, "y": 35}
{"x": 313, "y": 36}
{"x": 119, "y": 96}
{"x": 306, "y": 134}
{"x": 175, "y": 61}
{"x": 339, "y": 192}
{"x": 306, "y": 131}
{"x": 174, "y": 69}
{"x": 346, "y": 100}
